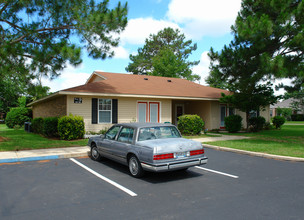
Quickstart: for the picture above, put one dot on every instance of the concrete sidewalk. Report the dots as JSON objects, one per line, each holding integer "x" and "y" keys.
{"x": 222, "y": 138}
{"x": 43, "y": 154}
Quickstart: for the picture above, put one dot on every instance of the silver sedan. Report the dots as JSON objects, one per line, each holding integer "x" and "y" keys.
{"x": 147, "y": 147}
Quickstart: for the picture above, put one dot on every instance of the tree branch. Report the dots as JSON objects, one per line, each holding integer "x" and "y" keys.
{"x": 4, "y": 7}
{"x": 11, "y": 24}
{"x": 42, "y": 30}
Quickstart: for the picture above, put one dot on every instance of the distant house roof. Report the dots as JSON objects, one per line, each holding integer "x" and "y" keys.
{"x": 283, "y": 104}
{"x": 129, "y": 85}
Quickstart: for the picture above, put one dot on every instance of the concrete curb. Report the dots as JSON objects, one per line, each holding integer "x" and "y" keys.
{"x": 257, "y": 154}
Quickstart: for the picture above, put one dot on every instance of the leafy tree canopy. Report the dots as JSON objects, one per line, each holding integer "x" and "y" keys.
{"x": 165, "y": 54}
{"x": 276, "y": 29}
{"x": 268, "y": 44}
{"x": 38, "y": 38}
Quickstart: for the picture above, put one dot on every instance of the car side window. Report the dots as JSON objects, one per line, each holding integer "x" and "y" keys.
{"x": 126, "y": 135}
{"x": 112, "y": 132}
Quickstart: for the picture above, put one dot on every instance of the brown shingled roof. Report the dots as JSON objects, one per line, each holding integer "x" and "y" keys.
{"x": 129, "y": 84}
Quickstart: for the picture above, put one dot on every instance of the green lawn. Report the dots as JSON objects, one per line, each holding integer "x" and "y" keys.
{"x": 289, "y": 141}
{"x": 294, "y": 122}
{"x": 11, "y": 140}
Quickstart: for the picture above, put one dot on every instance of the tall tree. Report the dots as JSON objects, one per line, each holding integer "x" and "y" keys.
{"x": 38, "y": 38}
{"x": 165, "y": 54}
{"x": 276, "y": 28}
{"x": 268, "y": 44}
{"x": 236, "y": 68}
{"x": 38, "y": 35}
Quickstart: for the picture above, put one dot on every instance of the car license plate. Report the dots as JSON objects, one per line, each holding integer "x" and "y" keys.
{"x": 180, "y": 154}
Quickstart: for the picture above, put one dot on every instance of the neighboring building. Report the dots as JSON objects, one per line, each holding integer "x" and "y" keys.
{"x": 109, "y": 98}
{"x": 283, "y": 104}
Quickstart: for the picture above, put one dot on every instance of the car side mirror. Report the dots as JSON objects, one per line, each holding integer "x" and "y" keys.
{"x": 102, "y": 136}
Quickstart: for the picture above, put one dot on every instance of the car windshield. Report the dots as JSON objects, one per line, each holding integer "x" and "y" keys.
{"x": 150, "y": 133}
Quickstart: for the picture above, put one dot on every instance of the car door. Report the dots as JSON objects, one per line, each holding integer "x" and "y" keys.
{"x": 124, "y": 143}
{"x": 106, "y": 145}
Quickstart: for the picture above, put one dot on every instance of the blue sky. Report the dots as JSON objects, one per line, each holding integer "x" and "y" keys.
{"x": 205, "y": 22}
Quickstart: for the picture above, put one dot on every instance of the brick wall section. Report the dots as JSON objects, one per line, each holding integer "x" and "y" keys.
{"x": 51, "y": 108}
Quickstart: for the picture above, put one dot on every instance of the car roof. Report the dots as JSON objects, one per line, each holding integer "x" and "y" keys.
{"x": 142, "y": 124}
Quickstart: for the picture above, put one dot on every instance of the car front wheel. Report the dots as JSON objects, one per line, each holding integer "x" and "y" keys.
{"x": 135, "y": 168}
{"x": 95, "y": 155}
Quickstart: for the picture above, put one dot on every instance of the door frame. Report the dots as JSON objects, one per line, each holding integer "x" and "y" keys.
{"x": 226, "y": 113}
{"x": 175, "y": 115}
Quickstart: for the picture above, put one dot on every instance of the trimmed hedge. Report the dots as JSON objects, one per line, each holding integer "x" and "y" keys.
{"x": 257, "y": 123}
{"x": 50, "y": 127}
{"x": 71, "y": 127}
{"x": 190, "y": 124}
{"x": 17, "y": 116}
{"x": 37, "y": 125}
{"x": 233, "y": 123}
{"x": 278, "y": 121}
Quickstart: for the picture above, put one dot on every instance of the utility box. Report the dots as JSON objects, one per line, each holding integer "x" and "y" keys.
{"x": 27, "y": 126}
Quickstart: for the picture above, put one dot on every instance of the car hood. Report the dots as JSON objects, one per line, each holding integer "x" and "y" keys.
{"x": 170, "y": 145}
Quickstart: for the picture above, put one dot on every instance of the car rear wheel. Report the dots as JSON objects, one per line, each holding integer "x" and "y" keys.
{"x": 135, "y": 168}
{"x": 95, "y": 155}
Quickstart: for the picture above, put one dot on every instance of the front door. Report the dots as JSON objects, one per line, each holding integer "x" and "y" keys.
{"x": 179, "y": 111}
{"x": 223, "y": 115}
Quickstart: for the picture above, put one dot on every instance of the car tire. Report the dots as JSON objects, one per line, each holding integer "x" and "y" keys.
{"x": 95, "y": 155}
{"x": 135, "y": 167}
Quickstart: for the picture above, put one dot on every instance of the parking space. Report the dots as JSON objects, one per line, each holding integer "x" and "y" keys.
{"x": 231, "y": 186}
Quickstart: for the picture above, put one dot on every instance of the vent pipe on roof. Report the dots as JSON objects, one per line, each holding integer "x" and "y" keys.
{"x": 169, "y": 80}
{"x": 145, "y": 78}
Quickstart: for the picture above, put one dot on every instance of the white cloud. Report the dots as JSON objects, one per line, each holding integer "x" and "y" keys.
{"x": 68, "y": 78}
{"x": 204, "y": 17}
{"x": 139, "y": 29}
{"x": 120, "y": 53}
{"x": 202, "y": 69}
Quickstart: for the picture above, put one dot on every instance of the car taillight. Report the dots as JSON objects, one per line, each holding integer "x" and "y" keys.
{"x": 197, "y": 152}
{"x": 163, "y": 156}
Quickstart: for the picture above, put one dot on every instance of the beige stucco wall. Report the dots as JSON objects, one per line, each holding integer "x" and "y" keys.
{"x": 127, "y": 110}
{"x": 50, "y": 108}
{"x": 263, "y": 112}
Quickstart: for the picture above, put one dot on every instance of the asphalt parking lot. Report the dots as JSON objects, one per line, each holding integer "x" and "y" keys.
{"x": 234, "y": 187}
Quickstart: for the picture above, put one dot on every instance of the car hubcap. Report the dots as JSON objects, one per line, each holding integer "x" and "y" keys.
{"x": 133, "y": 166}
{"x": 94, "y": 152}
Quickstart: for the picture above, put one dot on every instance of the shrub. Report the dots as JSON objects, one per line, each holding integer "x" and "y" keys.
{"x": 233, "y": 123}
{"x": 268, "y": 126}
{"x": 190, "y": 124}
{"x": 17, "y": 116}
{"x": 257, "y": 123}
{"x": 37, "y": 125}
{"x": 278, "y": 121}
{"x": 285, "y": 112}
{"x": 50, "y": 127}
{"x": 298, "y": 117}
{"x": 71, "y": 127}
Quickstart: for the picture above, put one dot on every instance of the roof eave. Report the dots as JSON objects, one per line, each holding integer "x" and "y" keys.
{"x": 137, "y": 96}
{"x": 45, "y": 98}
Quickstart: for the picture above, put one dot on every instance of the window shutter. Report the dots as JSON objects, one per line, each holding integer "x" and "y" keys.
{"x": 94, "y": 110}
{"x": 114, "y": 111}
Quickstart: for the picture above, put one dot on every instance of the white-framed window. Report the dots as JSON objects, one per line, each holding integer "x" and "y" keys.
{"x": 148, "y": 111}
{"x": 105, "y": 111}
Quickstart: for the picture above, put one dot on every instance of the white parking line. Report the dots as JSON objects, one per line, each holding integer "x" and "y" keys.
{"x": 214, "y": 171}
{"x": 104, "y": 178}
